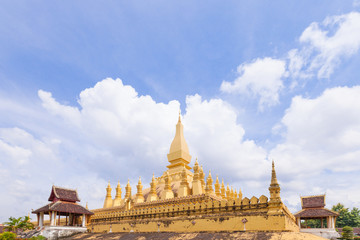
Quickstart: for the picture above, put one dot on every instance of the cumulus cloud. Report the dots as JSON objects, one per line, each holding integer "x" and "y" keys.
{"x": 29, "y": 166}
{"x": 115, "y": 134}
{"x": 262, "y": 78}
{"x": 325, "y": 44}
{"x": 212, "y": 125}
{"x": 322, "y": 48}
{"x": 320, "y": 152}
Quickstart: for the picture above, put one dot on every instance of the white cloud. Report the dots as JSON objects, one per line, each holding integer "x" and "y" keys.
{"x": 262, "y": 78}
{"x": 320, "y": 152}
{"x": 116, "y": 134}
{"x": 328, "y": 42}
{"x": 322, "y": 47}
{"x": 218, "y": 140}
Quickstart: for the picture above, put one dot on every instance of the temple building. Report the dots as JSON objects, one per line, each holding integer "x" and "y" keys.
{"x": 63, "y": 203}
{"x": 183, "y": 199}
{"x": 313, "y": 208}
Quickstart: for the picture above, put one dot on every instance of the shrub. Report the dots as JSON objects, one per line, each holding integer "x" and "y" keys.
{"x": 7, "y": 236}
{"x": 347, "y": 233}
{"x": 38, "y": 238}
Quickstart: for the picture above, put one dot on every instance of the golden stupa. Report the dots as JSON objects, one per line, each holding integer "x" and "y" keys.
{"x": 182, "y": 201}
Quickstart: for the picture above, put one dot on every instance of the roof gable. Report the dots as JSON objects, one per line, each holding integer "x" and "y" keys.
{"x": 63, "y": 194}
{"x": 313, "y": 201}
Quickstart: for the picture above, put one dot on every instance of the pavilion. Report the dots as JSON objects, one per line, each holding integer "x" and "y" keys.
{"x": 63, "y": 204}
{"x": 313, "y": 207}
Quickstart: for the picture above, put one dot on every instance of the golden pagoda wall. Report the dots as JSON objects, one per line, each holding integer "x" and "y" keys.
{"x": 189, "y": 217}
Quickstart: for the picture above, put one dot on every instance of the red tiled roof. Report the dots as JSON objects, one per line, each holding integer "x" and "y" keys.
{"x": 64, "y": 207}
{"x": 313, "y": 201}
{"x": 63, "y": 194}
{"x": 315, "y": 212}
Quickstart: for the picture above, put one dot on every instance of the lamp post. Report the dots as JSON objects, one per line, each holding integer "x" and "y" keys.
{"x": 244, "y": 221}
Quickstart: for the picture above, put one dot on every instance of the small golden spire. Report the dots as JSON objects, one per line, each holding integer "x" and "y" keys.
{"x": 275, "y": 203}
{"x": 183, "y": 173}
{"x": 167, "y": 181}
{"x": 87, "y": 207}
{"x": 196, "y": 167}
{"x": 228, "y": 193}
{"x": 202, "y": 178}
{"x": 139, "y": 182}
{"x": 223, "y": 191}
{"x": 128, "y": 190}
{"x": 209, "y": 181}
{"x": 179, "y": 115}
{"x": 217, "y": 187}
{"x": 274, "y": 182}
{"x": 118, "y": 191}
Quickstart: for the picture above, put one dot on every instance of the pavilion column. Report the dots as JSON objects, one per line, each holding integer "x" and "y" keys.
{"x": 328, "y": 222}
{"x": 41, "y": 219}
{"x": 298, "y": 220}
{"x": 83, "y": 220}
{"x": 51, "y": 218}
{"x": 70, "y": 219}
{"x": 322, "y": 222}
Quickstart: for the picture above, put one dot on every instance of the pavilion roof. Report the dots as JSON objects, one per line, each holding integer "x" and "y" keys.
{"x": 64, "y": 207}
{"x": 313, "y": 201}
{"x": 63, "y": 194}
{"x": 315, "y": 212}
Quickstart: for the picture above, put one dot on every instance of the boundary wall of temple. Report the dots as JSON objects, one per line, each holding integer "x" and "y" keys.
{"x": 208, "y": 215}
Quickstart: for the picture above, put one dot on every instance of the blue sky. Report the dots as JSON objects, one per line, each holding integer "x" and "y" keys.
{"x": 255, "y": 80}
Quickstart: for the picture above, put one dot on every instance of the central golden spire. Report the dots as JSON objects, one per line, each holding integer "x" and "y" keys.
{"x": 179, "y": 155}
{"x": 179, "y": 143}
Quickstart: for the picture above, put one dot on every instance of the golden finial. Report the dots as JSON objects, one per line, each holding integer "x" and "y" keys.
{"x": 180, "y": 115}
{"x": 87, "y": 207}
{"x": 273, "y": 176}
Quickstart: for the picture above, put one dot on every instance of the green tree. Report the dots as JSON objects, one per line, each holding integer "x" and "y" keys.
{"x": 313, "y": 223}
{"x": 14, "y": 224}
{"x": 355, "y": 217}
{"x": 346, "y": 217}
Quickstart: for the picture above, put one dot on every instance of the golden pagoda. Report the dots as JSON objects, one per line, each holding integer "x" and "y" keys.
{"x": 183, "y": 199}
